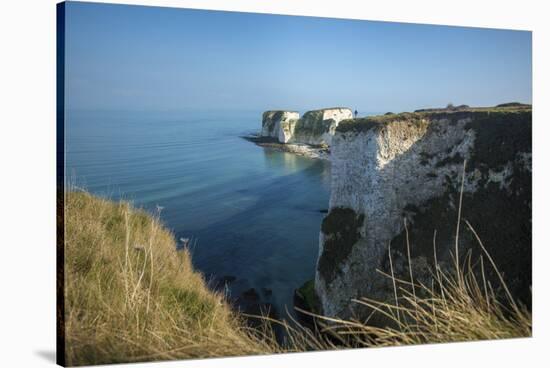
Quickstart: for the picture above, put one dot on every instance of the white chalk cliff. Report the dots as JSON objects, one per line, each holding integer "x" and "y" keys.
{"x": 402, "y": 169}
{"x": 271, "y": 121}
{"x": 316, "y": 127}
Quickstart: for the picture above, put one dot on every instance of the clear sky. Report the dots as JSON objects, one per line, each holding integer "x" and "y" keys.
{"x": 149, "y": 58}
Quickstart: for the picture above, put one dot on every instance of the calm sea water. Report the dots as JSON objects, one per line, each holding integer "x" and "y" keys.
{"x": 253, "y": 213}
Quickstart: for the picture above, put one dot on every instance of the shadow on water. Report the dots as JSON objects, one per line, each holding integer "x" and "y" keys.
{"x": 259, "y": 258}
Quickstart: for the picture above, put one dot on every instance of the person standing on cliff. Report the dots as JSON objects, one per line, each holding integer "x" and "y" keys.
{"x": 355, "y": 114}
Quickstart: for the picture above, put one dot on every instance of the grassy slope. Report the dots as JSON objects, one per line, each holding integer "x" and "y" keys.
{"x": 131, "y": 297}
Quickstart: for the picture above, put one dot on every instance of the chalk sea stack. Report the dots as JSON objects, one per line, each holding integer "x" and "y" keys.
{"x": 316, "y": 127}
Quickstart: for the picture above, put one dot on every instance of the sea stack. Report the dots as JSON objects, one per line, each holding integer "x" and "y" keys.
{"x": 316, "y": 127}
{"x": 271, "y": 121}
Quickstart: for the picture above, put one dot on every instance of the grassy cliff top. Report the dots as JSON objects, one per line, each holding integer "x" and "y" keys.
{"x": 130, "y": 296}
{"x": 453, "y": 114}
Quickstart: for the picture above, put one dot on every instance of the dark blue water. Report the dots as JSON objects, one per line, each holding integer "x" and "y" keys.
{"x": 253, "y": 212}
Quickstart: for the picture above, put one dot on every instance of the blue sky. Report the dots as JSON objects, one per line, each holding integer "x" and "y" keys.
{"x": 121, "y": 57}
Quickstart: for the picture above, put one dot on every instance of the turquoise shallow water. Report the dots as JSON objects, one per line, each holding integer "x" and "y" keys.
{"x": 253, "y": 213}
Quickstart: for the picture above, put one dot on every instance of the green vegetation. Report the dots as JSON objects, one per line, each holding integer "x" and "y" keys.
{"x": 508, "y": 111}
{"x": 514, "y": 104}
{"x": 307, "y": 293}
{"x": 451, "y": 107}
{"x": 503, "y": 134}
{"x": 365, "y": 124}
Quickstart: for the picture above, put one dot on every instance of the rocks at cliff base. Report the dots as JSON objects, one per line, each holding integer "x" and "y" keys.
{"x": 392, "y": 170}
{"x": 299, "y": 149}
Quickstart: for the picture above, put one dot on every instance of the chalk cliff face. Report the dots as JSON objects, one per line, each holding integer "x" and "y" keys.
{"x": 316, "y": 127}
{"x": 271, "y": 121}
{"x": 393, "y": 170}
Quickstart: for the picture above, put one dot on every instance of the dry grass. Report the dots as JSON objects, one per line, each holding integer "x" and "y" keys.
{"x": 451, "y": 309}
{"x": 131, "y": 297}
{"x": 456, "y": 306}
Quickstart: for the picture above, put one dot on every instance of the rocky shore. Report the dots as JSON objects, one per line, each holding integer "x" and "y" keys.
{"x": 301, "y": 149}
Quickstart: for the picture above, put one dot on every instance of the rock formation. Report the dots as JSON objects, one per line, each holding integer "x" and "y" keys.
{"x": 395, "y": 170}
{"x": 271, "y": 121}
{"x": 316, "y": 127}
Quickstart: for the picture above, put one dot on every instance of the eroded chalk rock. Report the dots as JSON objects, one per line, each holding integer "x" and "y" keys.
{"x": 316, "y": 127}
{"x": 393, "y": 170}
{"x": 271, "y": 121}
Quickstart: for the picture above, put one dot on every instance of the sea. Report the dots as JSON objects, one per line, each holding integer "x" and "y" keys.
{"x": 252, "y": 214}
